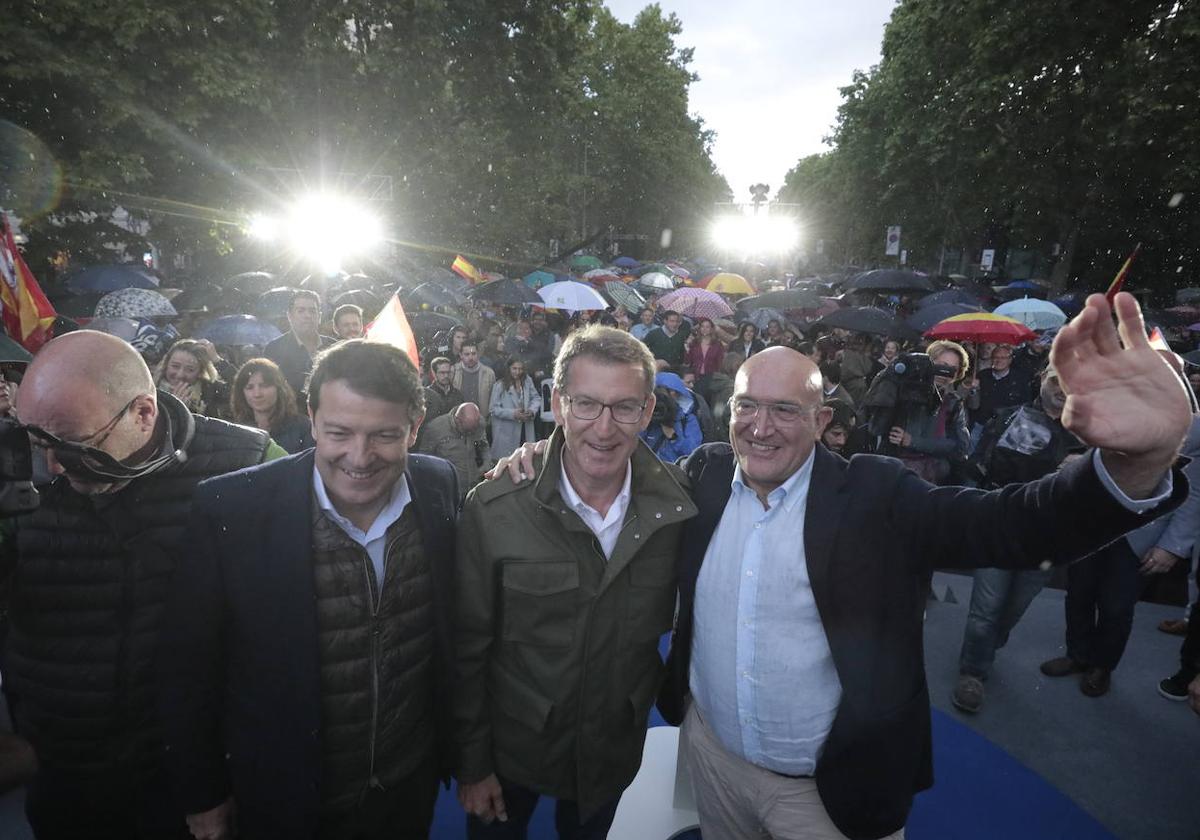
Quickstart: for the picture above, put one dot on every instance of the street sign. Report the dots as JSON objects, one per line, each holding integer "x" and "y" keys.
{"x": 893, "y": 241}
{"x": 985, "y": 261}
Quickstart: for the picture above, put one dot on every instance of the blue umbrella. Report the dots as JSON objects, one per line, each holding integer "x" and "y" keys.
{"x": 110, "y": 278}
{"x": 238, "y": 329}
{"x": 926, "y": 316}
{"x": 626, "y": 262}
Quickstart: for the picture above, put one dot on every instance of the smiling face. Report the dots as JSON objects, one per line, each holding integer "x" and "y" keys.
{"x": 769, "y": 451}
{"x": 181, "y": 369}
{"x": 260, "y": 395}
{"x": 596, "y": 451}
{"x": 362, "y": 449}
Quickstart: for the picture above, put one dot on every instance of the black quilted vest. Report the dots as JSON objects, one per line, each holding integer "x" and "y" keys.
{"x": 87, "y": 596}
{"x": 376, "y": 657}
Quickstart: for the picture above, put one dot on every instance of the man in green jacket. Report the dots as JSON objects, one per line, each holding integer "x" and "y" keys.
{"x": 565, "y": 584}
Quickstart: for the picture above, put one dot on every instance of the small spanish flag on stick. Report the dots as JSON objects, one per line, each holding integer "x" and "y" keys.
{"x": 464, "y": 269}
{"x": 1119, "y": 280}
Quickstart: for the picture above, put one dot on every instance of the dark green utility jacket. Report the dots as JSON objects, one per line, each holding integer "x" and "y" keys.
{"x": 557, "y": 647}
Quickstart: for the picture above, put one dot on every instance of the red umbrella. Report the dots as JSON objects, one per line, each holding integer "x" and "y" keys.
{"x": 982, "y": 327}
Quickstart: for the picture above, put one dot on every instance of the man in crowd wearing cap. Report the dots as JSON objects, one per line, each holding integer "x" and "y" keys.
{"x": 90, "y": 584}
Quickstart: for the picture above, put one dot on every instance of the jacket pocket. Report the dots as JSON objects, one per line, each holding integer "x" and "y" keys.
{"x": 652, "y": 590}
{"x": 519, "y": 700}
{"x": 541, "y": 603}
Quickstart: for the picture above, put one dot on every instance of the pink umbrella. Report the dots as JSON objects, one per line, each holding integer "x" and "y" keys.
{"x": 695, "y": 303}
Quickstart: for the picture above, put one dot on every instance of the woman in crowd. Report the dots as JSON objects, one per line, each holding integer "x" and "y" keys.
{"x": 747, "y": 342}
{"x": 704, "y": 355}
{"x": 515, "y": 403}
{"x": 263, "y": 398}
{"x": 932, "y": 438}
{"x": 187, "y": 372}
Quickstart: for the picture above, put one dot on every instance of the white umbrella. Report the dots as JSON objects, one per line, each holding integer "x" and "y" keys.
{"x": 572, "y": 296}
{"x": 134, "y": 303}
{"x": 1034, "y": 313}
{"x": 656, "y": 280}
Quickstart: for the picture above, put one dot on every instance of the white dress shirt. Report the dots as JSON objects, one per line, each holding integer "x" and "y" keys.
{"x": 608, "y": 527}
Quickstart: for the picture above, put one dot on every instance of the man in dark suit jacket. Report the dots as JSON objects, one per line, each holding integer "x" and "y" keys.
{"x": 798, "y": 640}
{"x": 306, "y": 663}
{"x": 294, "y": 350}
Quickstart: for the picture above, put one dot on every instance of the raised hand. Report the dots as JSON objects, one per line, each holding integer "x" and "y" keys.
{"x": 1122, "y": 396}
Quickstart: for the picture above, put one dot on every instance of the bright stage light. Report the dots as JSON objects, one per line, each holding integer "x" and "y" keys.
{"x": 324, "y": 229}
{"x": 755, "y": 234}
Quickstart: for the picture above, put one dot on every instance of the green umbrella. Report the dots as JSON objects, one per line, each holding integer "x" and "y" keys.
{"x": 585, "y": 262}
{"x": 10, "y": 351}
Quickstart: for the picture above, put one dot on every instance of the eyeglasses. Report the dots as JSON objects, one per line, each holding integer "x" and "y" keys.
{"x": 784, "y": 414}
{"x": 88, "y": 461}
{"x": 586, "y": 408}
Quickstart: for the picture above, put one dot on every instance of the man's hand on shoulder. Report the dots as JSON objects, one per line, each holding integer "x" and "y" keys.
{"x": 216, "y": 824}
{"x": 1122, "y": 397}
{"x": 483, "y": 800}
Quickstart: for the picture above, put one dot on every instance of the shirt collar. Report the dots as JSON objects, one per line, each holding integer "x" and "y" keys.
{"x": 397, "y": 502}
{"x": 573, "y": 499}
{"x": 790, "y": 493}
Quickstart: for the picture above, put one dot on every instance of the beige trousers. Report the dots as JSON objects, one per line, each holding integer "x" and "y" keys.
{"x": 738, "y": 800}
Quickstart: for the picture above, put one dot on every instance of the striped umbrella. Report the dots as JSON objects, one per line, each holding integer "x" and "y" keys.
{"x": 982, "y": 327}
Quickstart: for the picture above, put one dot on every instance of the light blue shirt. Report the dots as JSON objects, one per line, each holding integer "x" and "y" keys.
{"x": 639, "y": 330}
{"x": 374, "y": 539}
{"x": 762, "y": 672}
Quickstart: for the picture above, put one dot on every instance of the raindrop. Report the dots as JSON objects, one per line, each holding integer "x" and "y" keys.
{"x": 1176, "y": 200}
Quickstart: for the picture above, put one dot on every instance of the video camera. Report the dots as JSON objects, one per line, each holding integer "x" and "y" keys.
{"x": 17, "y": 493}
{"x": 906, "y": 384}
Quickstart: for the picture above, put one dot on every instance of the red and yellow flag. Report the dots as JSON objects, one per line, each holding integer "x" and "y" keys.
{"x": 1119, "y": 280}
{"x": 28, "y": 315}
{"x": 464, "y": 269}
{"x": 391, "y": 326}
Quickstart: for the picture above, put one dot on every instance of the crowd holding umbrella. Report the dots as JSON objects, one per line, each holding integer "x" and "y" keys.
{"x": 110, "y": 278}
{"x": 572, "y": 297}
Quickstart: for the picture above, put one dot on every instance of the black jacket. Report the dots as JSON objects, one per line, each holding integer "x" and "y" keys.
{"x": 873, "y": 530}
{"x": 88, "y": 595}
{"x": 240, "y": 696}
{"x": 295, "y": 362}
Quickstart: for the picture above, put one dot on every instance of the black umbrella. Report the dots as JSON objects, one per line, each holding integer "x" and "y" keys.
{"x": 252, "y": 282}
{"x": 869, "y": 319}
{"x": 890, "y": 280}
{"x": 428, "y": 324}
{"x": 506, "y": 293}
{"x": 946, "y": 296}
{"x": 429, "y": 295}
{"x": 927, "y": 316}
{"x": 209, "y": 297}
{"x": 783, "y": 299}
{"x": 362, "y": 298}
{"x": 76, "y": 306}
{"x": 274, "y": 303}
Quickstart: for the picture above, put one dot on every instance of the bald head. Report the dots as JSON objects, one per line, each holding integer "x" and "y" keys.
{"x": 467, "y": 417}
{"x": 795, "y": 376}
{"x": 87, "y": 366}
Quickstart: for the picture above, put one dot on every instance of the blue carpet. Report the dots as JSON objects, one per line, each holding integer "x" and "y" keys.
{"x": 980, "y": 793}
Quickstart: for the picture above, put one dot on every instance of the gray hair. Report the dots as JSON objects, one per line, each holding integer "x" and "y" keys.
{"x": 607, "y": 345}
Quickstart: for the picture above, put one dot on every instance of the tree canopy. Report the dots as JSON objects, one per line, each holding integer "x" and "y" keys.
{"x": 1019, "y": 128}
{"x": 499, "y": 124}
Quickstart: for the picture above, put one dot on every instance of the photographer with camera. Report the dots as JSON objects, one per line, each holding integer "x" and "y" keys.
{"x": 674, "y": 429}
{"x": 915, "y": 414}
{"x": 89, "y": 587}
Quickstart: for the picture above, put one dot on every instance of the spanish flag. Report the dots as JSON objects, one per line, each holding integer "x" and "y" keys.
{"x": 27, "y": 314}
{"x": 464, "y": 269}
{"x": 391, "y": 326}
{"x": 1119, "y": 280}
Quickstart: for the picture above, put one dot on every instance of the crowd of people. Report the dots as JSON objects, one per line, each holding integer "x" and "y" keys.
{"x": 270, "y": 590}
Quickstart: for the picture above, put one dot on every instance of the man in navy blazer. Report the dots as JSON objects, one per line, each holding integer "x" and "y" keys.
{"x": 800, "y": 683}
{"x": 306, "y": 661}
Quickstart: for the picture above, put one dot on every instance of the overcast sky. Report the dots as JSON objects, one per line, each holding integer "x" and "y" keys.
{"x": 769, "y": 74}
